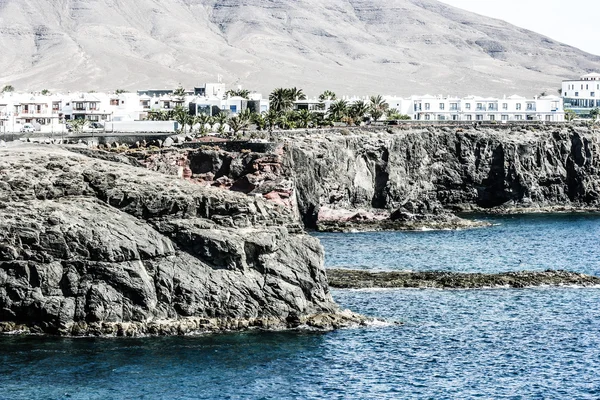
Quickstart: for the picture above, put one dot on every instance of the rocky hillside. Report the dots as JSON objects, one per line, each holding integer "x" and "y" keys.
{"x": 398, "y": 47}
{"x": 95, "y": 247}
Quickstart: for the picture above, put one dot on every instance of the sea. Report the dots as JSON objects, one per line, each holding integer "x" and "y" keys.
{"x": 533, "y": 343}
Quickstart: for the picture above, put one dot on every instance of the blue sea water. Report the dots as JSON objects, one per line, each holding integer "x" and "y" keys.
{"x": 539, "y": 343}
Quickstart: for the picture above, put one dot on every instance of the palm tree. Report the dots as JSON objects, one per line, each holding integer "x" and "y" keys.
{"x": 378, "y": 107}
{"x": 237, "y": 123}
{"x": 281, "y": 99}
{"x": 296, "y": 94}
{"x": 286, "y": 121}
{"x": 327, "y": 95}
{"x": 244, "y": 93}
{"x": 182, "y": 116}
{"x": 338, "y": 110}
{"x": 259, "y": 120}
{"x": 271, "y": 118}
{"x": 202, "y": 120}
{"x": 358, "y": 111}
{"x": 304, "y": 117}
{"x": 393, "y": 114}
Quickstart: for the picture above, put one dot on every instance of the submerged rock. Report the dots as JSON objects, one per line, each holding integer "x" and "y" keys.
{"x": 93, "y": 247}
{"x": 354, "y": 279}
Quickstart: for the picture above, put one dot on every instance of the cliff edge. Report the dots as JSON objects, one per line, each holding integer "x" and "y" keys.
{"x": 93, "y": 247}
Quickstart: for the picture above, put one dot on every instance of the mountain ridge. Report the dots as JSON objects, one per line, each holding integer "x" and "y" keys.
{"x": 399, "y": 47}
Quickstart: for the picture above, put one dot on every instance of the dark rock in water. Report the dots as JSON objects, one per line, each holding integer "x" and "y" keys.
{"x": 94, "y": 247}
{"x": 354, "y": 279}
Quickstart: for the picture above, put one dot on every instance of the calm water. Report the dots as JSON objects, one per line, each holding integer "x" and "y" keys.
{"x": 511, "y": 344}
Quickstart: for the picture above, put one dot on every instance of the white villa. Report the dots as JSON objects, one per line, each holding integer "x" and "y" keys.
{"x": 582, "y": 95}
{"x": 51, "y": 113}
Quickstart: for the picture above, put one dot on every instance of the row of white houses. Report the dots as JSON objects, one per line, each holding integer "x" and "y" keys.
{"x": 51, "y": 112}
{"x": 470, "y": 108}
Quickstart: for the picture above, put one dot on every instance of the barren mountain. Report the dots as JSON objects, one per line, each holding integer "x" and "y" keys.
{"x": 398, "y": 47}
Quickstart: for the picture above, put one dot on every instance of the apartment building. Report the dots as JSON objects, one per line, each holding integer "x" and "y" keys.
{"x": 474, "y": 108}
{"x": 582, "y": 95}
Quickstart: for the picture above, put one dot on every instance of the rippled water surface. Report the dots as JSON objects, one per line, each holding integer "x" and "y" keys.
{"x": 539, "y": 343}
{"x": 532, "y": 242}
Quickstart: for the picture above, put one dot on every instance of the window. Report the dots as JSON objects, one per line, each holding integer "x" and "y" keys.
{"x": 592, "y": 94}
{"x": 505, "y": 106}
{"x": 530, "y": 106}
{"x": 492, "y": 106}
{"x": 518, "y": 117}
{"x": 479, "y": 106}
{"x": 479, "y": 117}
{"x": 427, "y": 117}
{"x": 576, "y": 94}
{"x": 233, "y": 109}
{"x": 93, "y": 106}
{"x": 441, "y": 117}
{"x": 468, "y": 106}
{"x": 587, "y": 87}
{"x": 114, "y": 102}
{"x": 455, "y": 117}
{"x": 453, "y": 106}
{"x": 518, "y": 106}
{"x": 441, "y": 106}
{"x": 504, "y": 117}
{"x": 79, "y": 106}
{"x": 566, "y": 94}
{"x": 427, "y": 106}
{"x": 492, "y": 117}
{"x": 469, "y": 117}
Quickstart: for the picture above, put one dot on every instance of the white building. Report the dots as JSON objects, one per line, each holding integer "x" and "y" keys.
{"x": 474, "y": 108}
{"x": 582, "y": 95}
{"x": 51, "y": 113}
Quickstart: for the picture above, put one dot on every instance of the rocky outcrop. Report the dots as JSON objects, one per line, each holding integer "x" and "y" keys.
{"x": 431, "y": 171}
{"x": 89, "y": 246}
{"x": 407, "y": 178}
{"x": 352, "y": 279}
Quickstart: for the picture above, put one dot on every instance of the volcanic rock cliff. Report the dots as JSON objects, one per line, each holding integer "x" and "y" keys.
{"x": 427, "y": 170}
{"x": 89, "y": 246}
{"x": 412, "y": 177}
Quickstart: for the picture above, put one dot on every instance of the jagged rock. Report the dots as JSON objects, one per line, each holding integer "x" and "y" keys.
{"x": 342, "y": 278}
{"x": 93, "y": 247}
{"x": 168, "y": 142}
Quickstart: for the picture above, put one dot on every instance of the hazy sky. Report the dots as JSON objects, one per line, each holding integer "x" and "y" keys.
{"x": 572, "y": 22}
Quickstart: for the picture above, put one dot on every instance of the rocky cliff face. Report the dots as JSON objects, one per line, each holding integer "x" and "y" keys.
{"x": 410, "y": 177}
{"x": 423, "y": 171}
{"x": 89, "y": 246}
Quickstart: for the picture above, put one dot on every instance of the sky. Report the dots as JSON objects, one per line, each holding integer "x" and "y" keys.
{"x": 574, "y": 23}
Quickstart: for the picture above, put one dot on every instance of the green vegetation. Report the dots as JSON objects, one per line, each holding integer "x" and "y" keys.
{"x": 45, "y": 92}
{"x": 393, "y": 115}
{"x": 8, "y": 89}
{"x": 570, "y": 115}
{"x": 327, "y": 95}
{"x": 595, "y": 113}
{"x": 78, "y": 125}
{"x": 282, "y": 99}
{"x": 121, "y": 91}
{"x": 378, "y": 107}
{"x": 243, "y": 93}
